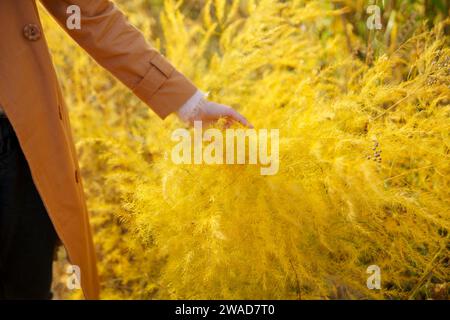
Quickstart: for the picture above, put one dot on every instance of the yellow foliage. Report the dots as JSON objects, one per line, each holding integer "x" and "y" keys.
{"x": 364, "y": 161}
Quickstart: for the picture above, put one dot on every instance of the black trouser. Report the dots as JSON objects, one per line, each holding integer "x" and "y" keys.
{"x": 27, "y": 236}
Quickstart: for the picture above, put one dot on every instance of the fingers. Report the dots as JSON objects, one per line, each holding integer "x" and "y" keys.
{"x": 236, "y": 116}
{"x": 211, "y": 112}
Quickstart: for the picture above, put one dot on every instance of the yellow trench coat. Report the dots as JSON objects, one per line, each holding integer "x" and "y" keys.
{"x": 31, "y": 98}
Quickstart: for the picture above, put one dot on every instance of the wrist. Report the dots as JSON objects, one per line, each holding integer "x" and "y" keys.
{"x": 192, "y": 107}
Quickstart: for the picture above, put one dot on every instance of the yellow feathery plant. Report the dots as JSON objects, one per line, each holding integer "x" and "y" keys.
{"x": 364, "y": 160}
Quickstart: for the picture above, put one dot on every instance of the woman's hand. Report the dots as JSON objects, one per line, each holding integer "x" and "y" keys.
{"x": 200, "y": 109}
{"x": 210, "y": 112}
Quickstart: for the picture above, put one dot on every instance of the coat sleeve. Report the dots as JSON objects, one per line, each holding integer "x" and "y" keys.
{"x": 122, "y": 49}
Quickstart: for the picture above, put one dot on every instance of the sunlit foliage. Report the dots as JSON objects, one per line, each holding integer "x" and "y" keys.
{"x": 364, "y": 155}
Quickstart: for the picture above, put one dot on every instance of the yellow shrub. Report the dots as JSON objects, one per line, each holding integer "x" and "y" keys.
{"x": 338, "y": 203}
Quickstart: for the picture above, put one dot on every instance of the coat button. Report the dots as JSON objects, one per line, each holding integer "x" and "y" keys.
{"x": 32, "y": 32}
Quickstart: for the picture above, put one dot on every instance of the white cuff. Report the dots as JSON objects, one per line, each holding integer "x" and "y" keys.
{"x": 189, "y": 109}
